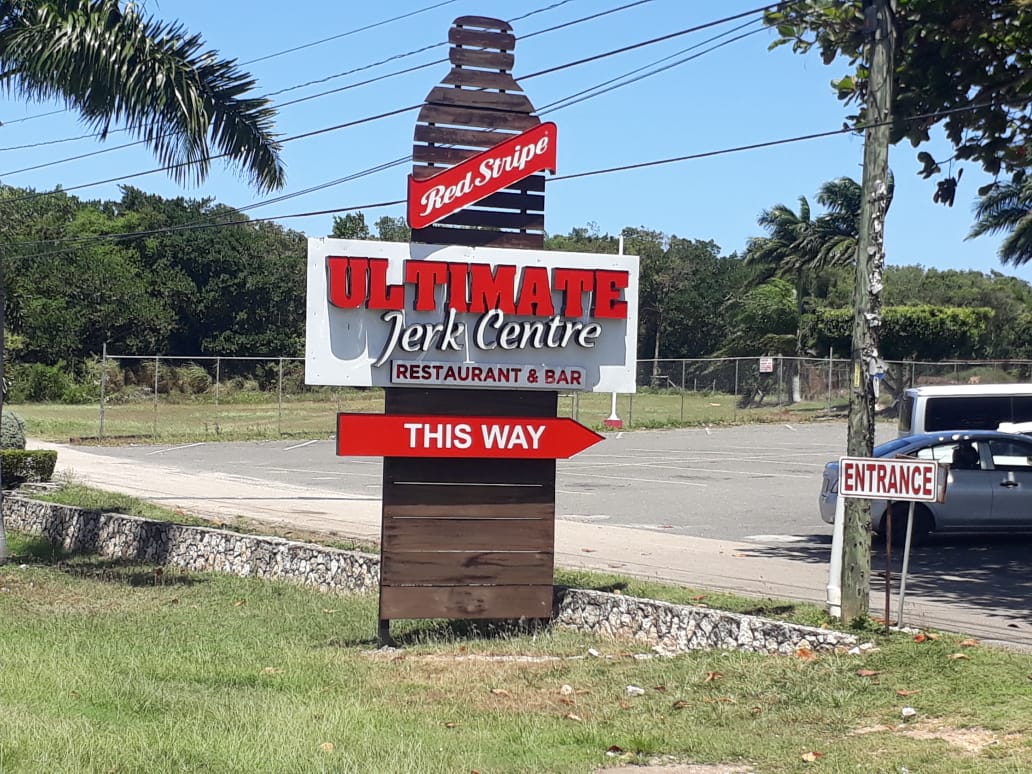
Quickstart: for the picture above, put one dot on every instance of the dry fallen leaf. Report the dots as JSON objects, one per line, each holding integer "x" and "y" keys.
{"x": 660, "y": 688}
{"x": 571, "y": 716}
{"x": 588, "y": 550}
{"x": 271, "y": 671}
{"x": 240, "y": 602}
{"x": 566, "y": 701}
{"x": 932, "y": 635}
{"x": 681, "y": 704}
{"x": 500, "y": 692}
{"x": 904, "y": 692}
{"x": 968, "y": 643}
{"x": 328, "y": 611}
{"x": 866, "y": 673}
{"x": 451, "y": 725}
{"x": 625, "y": 705}
{"x": 810, "y": 757}
{"x": 806, "y": 654}
{"x": 711, "y": 676}
{"x": 958, "y": 656}
{"x": 720, "y": 700}
{"x": 327, "y": 747}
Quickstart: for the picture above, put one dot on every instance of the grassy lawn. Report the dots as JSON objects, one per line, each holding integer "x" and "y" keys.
{"x": 261, "y": 416}
{"x": 110, "y": 667}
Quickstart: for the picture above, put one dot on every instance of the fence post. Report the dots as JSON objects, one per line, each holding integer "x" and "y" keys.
{"x": 157, "y": 365}
{"x": 279, "y": 402}
{"x": 830, "y": 374}
{"x": 781, "y": 376}
{"x": 734, "y": 400}
{"x": 684, "y": 368}
{"x": 103, "y": 384}
{"x": 218, "y": 381}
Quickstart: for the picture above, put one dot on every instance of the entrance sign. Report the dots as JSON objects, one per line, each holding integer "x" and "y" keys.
{"x": 890, "y": 479}
{"x": 380, "y": 435}
{"x": 391, "y": 313}
{"x": 493, "y": 170}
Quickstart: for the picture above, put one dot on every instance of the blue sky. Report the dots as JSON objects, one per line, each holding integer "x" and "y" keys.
{"x": 739, "y": 94}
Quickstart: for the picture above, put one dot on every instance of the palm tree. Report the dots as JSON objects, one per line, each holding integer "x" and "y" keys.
{"x": 1008, "y": 208}
{"x": 790, "y": 249}
{"x": 112, "y": 65}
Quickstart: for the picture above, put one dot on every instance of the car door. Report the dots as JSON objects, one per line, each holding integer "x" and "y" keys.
{"x": 969, "y": 493}
{"x": 1011, "y": 482}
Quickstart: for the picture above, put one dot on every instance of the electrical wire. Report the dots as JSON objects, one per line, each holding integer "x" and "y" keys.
{"x": 552, "y": 180}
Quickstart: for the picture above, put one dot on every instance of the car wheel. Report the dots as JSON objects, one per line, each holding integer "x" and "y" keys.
{"x": 923, "y": 524}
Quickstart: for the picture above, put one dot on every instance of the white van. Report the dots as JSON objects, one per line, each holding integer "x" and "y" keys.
{"x": 964, "y": 407}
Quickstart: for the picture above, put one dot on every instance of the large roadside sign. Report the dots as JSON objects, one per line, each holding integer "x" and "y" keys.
{"x": 891, "y": 479}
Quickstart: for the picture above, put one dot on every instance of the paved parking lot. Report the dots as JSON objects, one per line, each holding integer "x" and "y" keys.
{"x": 728, "y": 483}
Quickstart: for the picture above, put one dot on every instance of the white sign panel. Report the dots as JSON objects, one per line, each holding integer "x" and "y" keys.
{"x": 399, "y": 314}
{"x": 890, "y": 479}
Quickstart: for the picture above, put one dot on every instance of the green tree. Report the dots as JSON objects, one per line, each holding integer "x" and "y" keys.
{"x": 958, "y": 64}
{"x": 110, "y": 64}
{"x": 351, "y": 225}
{"x": 1007, "y": 208}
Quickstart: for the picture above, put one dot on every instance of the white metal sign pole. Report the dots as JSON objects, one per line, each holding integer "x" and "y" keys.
{"x": 838, "y": 534}
{"x": 906, "y": 564}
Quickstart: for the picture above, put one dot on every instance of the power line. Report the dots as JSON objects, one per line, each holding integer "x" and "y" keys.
{"x": 556, "y": 179}
{"x": 355, "y": 31}
{"x": 696, "y": 28}
{"x": 314, "y": 82}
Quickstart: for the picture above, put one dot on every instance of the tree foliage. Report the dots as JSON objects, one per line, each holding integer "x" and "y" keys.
{"x": 910, "y": 332}
{"x": 110, "y": 64}
{"x": 1007, "y": 208}
{"x": 959, "y": 64}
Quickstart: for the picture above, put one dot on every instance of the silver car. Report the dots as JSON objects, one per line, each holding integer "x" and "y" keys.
{"x": 988, "y": 489}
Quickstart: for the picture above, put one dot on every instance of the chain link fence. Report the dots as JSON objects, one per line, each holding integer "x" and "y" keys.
{"x": 233, "y": 398}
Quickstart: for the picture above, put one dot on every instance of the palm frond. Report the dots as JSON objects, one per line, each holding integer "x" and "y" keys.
{"x": 113, "y": 65}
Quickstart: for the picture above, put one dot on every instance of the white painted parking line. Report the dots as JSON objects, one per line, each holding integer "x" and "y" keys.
{"x": 683, "y": 468}
{"x": 300, "y": 445}
{"x": 776, "y": 538}
{"x": 628, "y": 478}
{"x": 174, "y": 448}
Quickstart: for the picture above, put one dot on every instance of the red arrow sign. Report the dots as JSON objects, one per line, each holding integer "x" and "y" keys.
{"x": 486, "y": 173}
{"x": 391, "y": 435}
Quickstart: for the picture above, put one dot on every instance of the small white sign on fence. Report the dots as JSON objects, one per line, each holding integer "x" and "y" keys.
{"x": 766, "y": 365}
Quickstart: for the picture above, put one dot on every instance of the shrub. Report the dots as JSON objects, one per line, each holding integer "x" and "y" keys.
{"x": 12, "y": 431}
{"x": 19, "y": 465}
{"x": 193, "y": 379}
{"x": 41, "y": 383}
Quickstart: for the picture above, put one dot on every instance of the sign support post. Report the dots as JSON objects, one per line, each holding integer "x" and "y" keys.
{"x": 876, "y": 478}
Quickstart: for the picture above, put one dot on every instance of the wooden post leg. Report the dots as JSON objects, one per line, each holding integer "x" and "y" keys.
{"x": 383, "y": 633}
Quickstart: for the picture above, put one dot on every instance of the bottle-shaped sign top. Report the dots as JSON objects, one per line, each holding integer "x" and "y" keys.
{"x": 477, "y": 106}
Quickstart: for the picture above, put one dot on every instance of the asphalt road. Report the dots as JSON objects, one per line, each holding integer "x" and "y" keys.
{"x": 726, "y": 483}
{"x": 732, "y": 508}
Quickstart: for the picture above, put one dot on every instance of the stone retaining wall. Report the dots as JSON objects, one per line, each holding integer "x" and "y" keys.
{"x": 667, "y": 627}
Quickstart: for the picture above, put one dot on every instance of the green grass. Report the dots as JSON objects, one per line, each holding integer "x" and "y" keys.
{"x": 110, "y": 502}
{"x": 261, "y": 416}
{"x": 110, "y": 667}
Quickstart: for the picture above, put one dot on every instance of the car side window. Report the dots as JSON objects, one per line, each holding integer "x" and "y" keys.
{"x": 939, "y": 453}
{"x": 1011, "y": 455}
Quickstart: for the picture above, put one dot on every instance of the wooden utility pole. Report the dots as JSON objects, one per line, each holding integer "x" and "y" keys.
{"x": 870, "y": 261}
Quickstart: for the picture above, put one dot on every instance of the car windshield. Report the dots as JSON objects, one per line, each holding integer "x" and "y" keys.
{"x": 889, "y": 447}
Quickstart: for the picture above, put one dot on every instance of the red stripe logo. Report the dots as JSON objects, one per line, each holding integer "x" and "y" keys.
{"x": 486, "y": 173}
